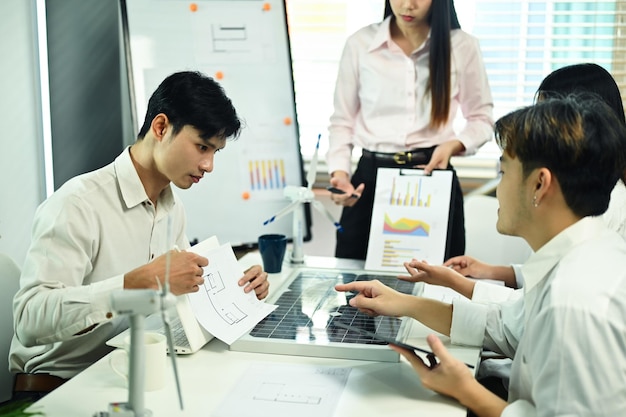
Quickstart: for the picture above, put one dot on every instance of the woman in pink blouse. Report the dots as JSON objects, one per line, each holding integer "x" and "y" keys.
{"x": 399, "y": 86}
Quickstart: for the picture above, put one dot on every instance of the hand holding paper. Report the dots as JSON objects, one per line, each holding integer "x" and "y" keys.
{"x": 221, "y": 306}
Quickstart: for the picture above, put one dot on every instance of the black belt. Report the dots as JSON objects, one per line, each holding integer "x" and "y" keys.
{"x": 37, "y": 382}
{"x": 408, "y": 158}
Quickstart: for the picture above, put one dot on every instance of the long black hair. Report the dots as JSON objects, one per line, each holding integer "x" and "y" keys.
{"x": 442, "y": 19}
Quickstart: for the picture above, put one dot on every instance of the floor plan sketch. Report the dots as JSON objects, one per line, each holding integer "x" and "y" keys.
{"x": 213, "y": 282}
{"x": 227, "y": 310}
{"x": 221, "y": 306}
{"x": 285, "y": 390}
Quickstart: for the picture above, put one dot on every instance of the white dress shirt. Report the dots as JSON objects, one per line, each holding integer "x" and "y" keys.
{"x": 615, "y": 215}
{"x": 614, "y": 218}
{"x": 86, "y": 236}
{"x": 571, "y": 356}
{"x": 381, "y": 101}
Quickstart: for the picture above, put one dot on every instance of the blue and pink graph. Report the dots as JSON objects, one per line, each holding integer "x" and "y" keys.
{"x": 406, "y": 227}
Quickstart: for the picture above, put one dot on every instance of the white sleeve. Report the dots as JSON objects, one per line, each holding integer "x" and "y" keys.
{"x": 487, "y": 292}
{"x": 54, "y": 301}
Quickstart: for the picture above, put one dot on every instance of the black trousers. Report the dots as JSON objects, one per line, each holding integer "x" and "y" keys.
{"x": 352, "y": 242}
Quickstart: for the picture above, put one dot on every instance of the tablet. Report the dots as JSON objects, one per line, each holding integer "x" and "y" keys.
{"x": 429, "y": 354}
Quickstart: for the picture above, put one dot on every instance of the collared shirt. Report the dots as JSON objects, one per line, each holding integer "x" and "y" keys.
{"x": 614, "y": 218}
{"x": 571, "y": 356}
{"x": 615, "y": 215}
{"x": 86, "y": 236}
{"x": 382, "y": 103}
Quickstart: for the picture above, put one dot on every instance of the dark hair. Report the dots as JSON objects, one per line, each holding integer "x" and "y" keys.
{"x": 582, "y": 78}
{"x": 190, "y": 98}
{"x": 586, "y": 77}
{"x": 578, "y": 138}
{"x": 442, "y": 19}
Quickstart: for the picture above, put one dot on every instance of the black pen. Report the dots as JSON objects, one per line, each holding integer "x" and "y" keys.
{"x": 338, "y": 191}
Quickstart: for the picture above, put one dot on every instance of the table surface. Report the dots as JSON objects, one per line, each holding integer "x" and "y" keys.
{"x": 208, "y": 376}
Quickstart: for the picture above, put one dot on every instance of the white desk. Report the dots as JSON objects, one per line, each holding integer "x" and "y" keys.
{"x": 373, "y": 388}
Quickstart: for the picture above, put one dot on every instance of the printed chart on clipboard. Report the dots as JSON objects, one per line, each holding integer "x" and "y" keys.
{"x": 409, "y": 219}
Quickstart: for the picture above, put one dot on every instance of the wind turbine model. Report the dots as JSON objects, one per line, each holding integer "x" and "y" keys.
{"x": 139, "y": 304}
{"x": 299, "y": 196}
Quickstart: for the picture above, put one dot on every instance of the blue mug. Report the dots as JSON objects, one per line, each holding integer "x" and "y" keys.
{"x": 272, "y": 248}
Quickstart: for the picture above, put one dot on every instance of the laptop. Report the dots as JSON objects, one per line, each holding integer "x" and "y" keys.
{"x": 187, "y": 334}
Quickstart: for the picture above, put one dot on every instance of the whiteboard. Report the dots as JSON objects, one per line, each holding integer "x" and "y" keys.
{"x": 243, "y": 45}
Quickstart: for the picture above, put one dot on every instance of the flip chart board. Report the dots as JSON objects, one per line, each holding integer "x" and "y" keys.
{"x": 243, "y": 45}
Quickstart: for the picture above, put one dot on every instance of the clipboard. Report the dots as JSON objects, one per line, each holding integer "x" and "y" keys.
{"x": 409, "y": 218}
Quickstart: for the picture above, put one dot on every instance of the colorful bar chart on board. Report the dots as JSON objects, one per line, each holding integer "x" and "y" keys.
{"x": 267, "y": 174}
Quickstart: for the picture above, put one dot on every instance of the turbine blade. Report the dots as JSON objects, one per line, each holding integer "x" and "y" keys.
{"x": 310, "y": 178}
{"x": 320, "y": 207}
{"x": 282, "y": 212}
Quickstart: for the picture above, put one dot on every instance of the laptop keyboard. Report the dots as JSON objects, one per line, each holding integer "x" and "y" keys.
{"x": 179, "y": 338}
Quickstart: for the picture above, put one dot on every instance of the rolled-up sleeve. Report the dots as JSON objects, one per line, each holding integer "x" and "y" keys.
{"x": 496, "y": 326}
{"x": 468, "y": 323}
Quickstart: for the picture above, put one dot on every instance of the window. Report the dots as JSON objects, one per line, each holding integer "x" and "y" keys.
{"x": 521, "y": 41}
{"x": 318, "y": 30}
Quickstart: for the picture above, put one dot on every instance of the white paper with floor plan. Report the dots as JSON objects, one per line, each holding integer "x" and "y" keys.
{"x": 221, "y": 306}
{"x": 285, "y": 390}
{"x": 409, "y": 219}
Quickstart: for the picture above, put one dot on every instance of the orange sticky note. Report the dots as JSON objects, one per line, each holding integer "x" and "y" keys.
{"x": 266, "y": 7}
{"x": 219, "y": 75}
{"x": 245, "y": 195}
{"x": 193, "y": 7}
{"x": 287, "y": 121}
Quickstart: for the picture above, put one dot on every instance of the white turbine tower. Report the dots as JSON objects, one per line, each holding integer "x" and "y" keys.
{"x": 299, "y": 196}
{"x": 138, "y": 304}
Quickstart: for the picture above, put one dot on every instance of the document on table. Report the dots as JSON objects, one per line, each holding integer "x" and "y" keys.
{"x": 285, "y": 390}
{"x": 221, "y": 306}
{"x": 409, "y": 218}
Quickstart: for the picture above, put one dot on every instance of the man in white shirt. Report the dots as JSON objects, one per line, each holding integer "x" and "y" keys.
{"x": 107, "y": 230}
{"x": 561, "y": 159}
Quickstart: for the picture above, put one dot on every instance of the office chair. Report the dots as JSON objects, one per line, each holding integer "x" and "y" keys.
{"x": 9, "y": 284}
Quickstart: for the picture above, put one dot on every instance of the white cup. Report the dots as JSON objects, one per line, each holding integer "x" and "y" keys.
{"x": 155, "y": 359}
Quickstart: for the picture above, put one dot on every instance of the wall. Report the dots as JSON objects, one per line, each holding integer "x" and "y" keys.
{"x": 21, "y": 156}
{"x": 84, "y": 57}
{"x": 90, "y": 107}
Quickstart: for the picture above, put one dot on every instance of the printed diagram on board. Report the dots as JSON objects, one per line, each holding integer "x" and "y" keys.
{"x": 213, "y": 286}
{"x": 230, "y": 38}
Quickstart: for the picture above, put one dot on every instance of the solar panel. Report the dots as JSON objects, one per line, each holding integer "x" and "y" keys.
{"x": 308, "y": 307}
